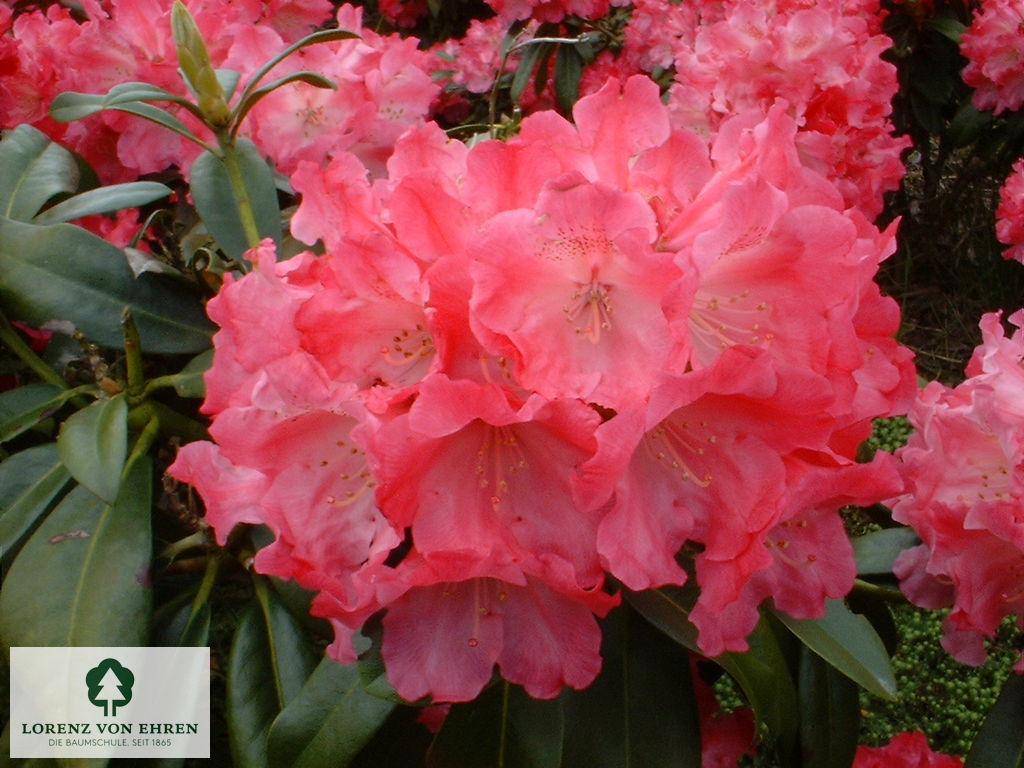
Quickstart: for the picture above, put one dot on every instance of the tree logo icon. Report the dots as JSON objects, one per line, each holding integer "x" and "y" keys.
{"x": 110, "y": 685}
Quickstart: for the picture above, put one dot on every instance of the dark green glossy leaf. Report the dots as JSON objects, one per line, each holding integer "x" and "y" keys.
{"x": 62, "y": 272}
{"x": 218, "y": 207}
{"x": 527, "y": 62}
{"x": 103, "y": 200}
{"x": 967, "y": 124}
{"x": 93, "y": 444}
{"x": 947, "y": 26}
{"x": 304, "y": 76}
{"x": 1000, "y": 742}
{"x": 32, "y": 170}
{"x": 875, "y": 552}
{"x": 189, "y": 383}
{"x": 829, "y": 714}
{"x": 270, "y": 661}
{"x": 850, "y": 644}
{"x": 502, "y": 727}
{"x": 400, "y": 743}
{"x": 23, "y": 407}
{"x": 30, "y": 481}
{"x": 568, "y": 71}
{"x": 761, "y": 672}
{"x": 330, "y": 720}
{"x": 641, "y": 711}
{"x": 83, "y": 577}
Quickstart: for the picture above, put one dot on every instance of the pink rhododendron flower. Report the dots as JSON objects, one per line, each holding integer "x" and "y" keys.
{"x": 964, "y": 483}
{"x": 1010, "y": 213}
{"x": 996, "y": 62}
{"x": 905, "y": 750}
{"x": 543, "y": 362}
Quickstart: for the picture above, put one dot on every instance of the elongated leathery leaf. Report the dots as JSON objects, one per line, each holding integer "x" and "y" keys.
{"x": 93, "y": 444}
{"x": 30, "y": 481}
{"x": 23, "y": 407}
{"x": 62, "y": 272}
{"x": 502, "y": 727}
{"x": 104, "y": 199}
{"x": 1000, "y": 742}
{"x": 32, "y": 170}
{"x": 641, "y": 710}
{"x": 83, "y": 576}
{"x": 849, "y": 643}
{"x": 218, "y": 206}
{"x": 761, "y": 672}
{"x": 328, "y": 722}
{"x": 875, "y": 552}
{"x": 829, "y": 713}
{"x": 271, "y": 658}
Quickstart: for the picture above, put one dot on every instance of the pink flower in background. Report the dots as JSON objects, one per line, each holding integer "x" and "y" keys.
{"x": 905, "y": 750}
{"x": 996, "y": 61}
{"x": 964, "y": 474}
{"x": 1010, "y": 213}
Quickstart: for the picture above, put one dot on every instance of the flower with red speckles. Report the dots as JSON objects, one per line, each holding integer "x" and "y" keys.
{"x": 543, "y": 362}
{"x": 964, "y": 473}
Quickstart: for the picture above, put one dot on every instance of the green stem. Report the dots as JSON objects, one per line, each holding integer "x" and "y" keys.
{"x": 133, "y": 357}
{"x": 230, "y": 160}
{"x": 889, "y": 594}
{"x": 171, "y": 422}
{"x": 175, "y": 548}
{"x": 146, "y": 438}
{"x": 206, "y": 587}
{"x": 10, "y": 337}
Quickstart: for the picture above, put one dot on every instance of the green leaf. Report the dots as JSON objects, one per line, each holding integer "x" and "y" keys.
{"x": 219, "y": 209}
{"x": 104, "y": 199}
{"x": 849, "y": 643}
{"x": 641, "y": 710}
{"x": 29, "y": 483}
{"x": 62, "y": 272}
{"x": 322, "y": 36}
{"x": 83, "y": 577}
{"x": 761, "y": 672}
{"x": 189, "y": 383}
{"x": 1000, "y": 742}
{"x": 70, "y": 105}
{"x": 502, "y": 727}
{"x": 829, "y": 714}
{"x": 330, "y": 720}
{"x": 947, "y": 26}
{"x": 527, "y": 62}
{"x": 568, "y": 71}
{"x": 270, "y": 661}
{"x": 32, "y": 170}
{"x": 875, "y": 552}
{"x": 93, "y": 444}
{"x": 228, "y": 79}
{"x": 304, "y": 76}
{"x": 22, "y": 408}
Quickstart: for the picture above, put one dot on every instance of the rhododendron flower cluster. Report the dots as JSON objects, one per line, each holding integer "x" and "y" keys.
{"x": 522, "y": 367}
{"x": 996, "y": 60}
{"x": 823, "y": 58}
{"x": 1010, "y": 213}
{"x": 964, "y": 483}
{"x": 905, "y": 750}
{"x": 383, "y": 84}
